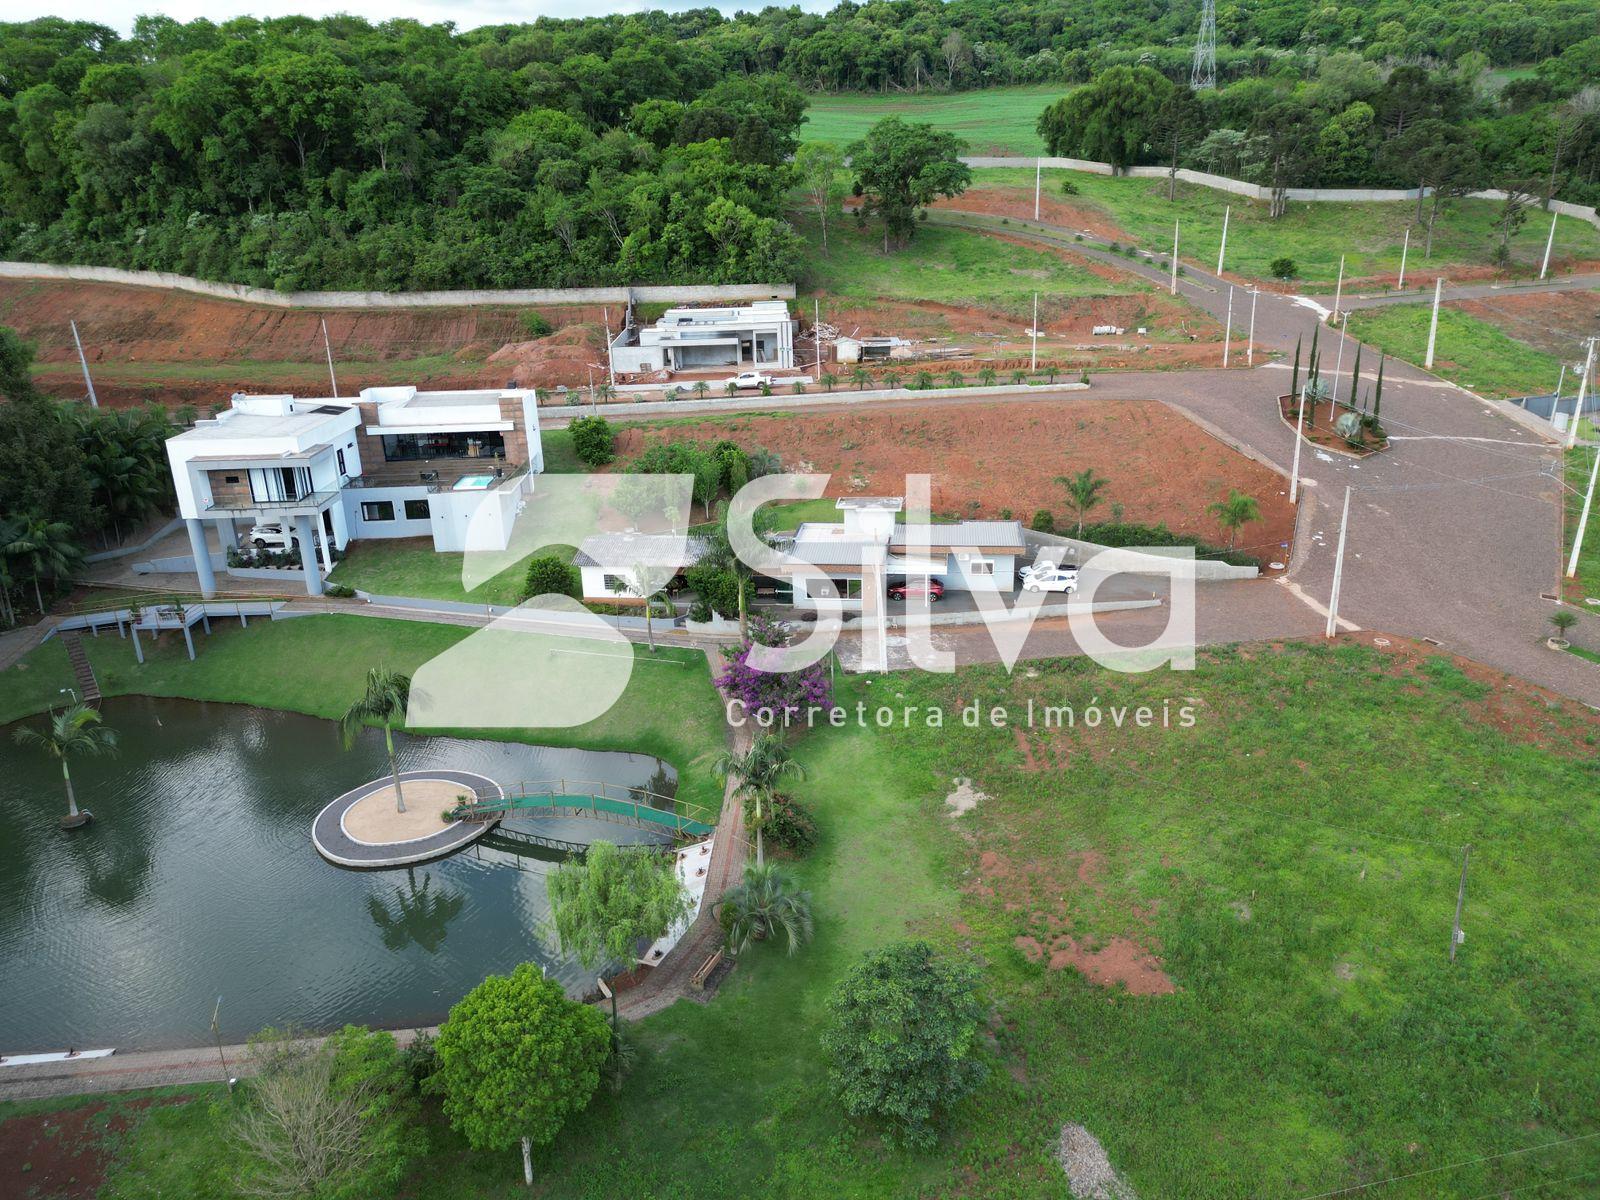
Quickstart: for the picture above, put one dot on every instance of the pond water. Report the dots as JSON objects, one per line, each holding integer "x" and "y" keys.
{"x": 197, "y": 878}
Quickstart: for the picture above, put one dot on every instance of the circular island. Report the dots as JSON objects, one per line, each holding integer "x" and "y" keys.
{"x": 365, "y": 829}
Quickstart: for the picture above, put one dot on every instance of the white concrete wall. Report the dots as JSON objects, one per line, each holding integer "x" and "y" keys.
{"x": 684, "y": 293}
{"x": 400, "y": 527}
{"x": 1256, "y": 191}
{"x": 958, "y": 576}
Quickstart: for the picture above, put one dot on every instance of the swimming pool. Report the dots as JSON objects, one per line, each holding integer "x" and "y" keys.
{"x": 474, "y": 483}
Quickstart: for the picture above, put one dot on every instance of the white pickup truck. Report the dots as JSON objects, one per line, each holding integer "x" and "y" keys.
{"x": 751, "y": 379}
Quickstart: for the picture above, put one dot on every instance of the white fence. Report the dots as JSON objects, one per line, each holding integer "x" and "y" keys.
{"x": 688, "y": 293}
{"x": 1256, "y": 191}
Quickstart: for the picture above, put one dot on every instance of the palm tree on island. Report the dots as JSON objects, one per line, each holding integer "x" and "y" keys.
{"x": 73, "y": 732}
{"x": 387, "y": 695}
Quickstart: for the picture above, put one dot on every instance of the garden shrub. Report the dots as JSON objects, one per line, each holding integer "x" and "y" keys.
{"x": 551, "y": 575}
{"x": 593, "y": 440}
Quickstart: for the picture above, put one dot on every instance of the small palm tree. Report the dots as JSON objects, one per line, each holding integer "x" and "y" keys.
{"x": 45, "y": 548}
{"x": 731, "y": 388}
{"x": 987, "y": 376}
{"x": 759, "y": 771}
{"x": 955, "y": 379}
{"x": 701, "y": 387}
{"x": 72, "y": 732}
{"x": 799, "y": 388}
{"x": 830, "y": 380}
{"x": 861, "y": 377}
{"x": 1019, "y": 377}
{"x": 1237, "y": 510}
{"x": 766, "y": 903}
{"x": 385, "y": 701}
{"x": 1083, "y": 492}
{"x": 893, "y": 378}
{"x": 646, "y": 583}
{"x": 604, "y": 391}
{"x": 922, "y": 380}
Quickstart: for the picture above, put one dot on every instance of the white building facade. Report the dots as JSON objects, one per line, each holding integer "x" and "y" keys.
{"x": 759, "y": 335}
{"x": 391, "y": 462}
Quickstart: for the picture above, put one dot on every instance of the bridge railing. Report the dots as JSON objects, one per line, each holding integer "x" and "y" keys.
{"x": 579, "y": 790}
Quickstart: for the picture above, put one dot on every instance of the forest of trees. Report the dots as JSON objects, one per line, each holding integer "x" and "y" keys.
{"x": 332, "y": 153}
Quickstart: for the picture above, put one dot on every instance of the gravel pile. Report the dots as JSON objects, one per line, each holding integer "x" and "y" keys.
{"x": 1090, "y": 1174}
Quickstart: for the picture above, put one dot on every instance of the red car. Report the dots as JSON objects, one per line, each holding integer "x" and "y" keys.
{"x": 931, "y": 588}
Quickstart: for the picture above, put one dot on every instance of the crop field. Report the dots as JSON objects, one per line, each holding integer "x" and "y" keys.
{"x": 993, "y": 120}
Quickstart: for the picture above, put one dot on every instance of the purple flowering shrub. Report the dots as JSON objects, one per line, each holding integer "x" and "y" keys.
{"x": 772, "y": 696}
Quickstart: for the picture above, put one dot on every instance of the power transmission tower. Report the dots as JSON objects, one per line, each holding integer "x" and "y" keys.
{"x": 1203, "y": 77}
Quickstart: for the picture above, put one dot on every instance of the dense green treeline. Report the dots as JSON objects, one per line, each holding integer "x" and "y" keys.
{"x": 652, "y": 146}
{"x": 299, "y": 153}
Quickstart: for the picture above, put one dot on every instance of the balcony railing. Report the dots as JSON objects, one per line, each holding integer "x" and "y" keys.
{"x": 309, "y": 502}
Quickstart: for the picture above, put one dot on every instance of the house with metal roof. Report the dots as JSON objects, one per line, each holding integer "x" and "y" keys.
{"x": 611, "y": 564}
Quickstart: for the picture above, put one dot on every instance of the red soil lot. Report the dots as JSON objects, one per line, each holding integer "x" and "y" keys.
{"x": 987, "y": 457}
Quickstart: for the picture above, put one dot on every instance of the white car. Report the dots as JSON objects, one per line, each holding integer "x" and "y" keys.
{"x": 273, "y": 535}
{"x": 751, "y": 379}
{"x": 1047, "y": 578}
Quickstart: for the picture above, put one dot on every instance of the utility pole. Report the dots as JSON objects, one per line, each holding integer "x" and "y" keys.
{"x": 611, "y": 370}
{"x": 328, "y": 346}
{"x": 1456, "y": 936}
{"x": 94, "y": 401}
{"x": 816, "y": 331}
{"x": 1175, "y": 258}
{"x": 1338, "y": 569}
{"x": 1583, "y": 391}
{"x": 1250, "y": 342}
{"x": 1033, "y": 361}
{"x": 1405, "y": 248}
{"x": 1227, "y": 332}
{"x": 1038, "y": 174}
{"x": 1338, "y": 289}
{"x": 1583, "y": 519}
{"x": 1338, "y": 362}
{"x": 1433, "y": 325}
{"x": 1299, "y": 436}
{"x": 1223, "y": 249}
{"x": 1549, "y": 243}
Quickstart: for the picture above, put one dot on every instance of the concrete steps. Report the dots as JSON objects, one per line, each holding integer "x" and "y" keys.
{"x": 88, "y": 685}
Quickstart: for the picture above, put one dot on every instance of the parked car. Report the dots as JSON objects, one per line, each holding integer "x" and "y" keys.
{"x": 274, "y": 535}
{"x": 932, "y": 589}
{"x": 751, "y": 379}
{"x": 1048, "y": 578}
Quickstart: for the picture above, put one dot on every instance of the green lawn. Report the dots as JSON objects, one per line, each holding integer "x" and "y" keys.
{"x": 1314, "y": 235}
{"x": 1293, "y": 859}
{"x": 992, "y": 120}
{"x": 948, "y": 266}
{"x": 412, "y": 567}
{"x": 1468, "y": 351}
{"x": 316, "y": 665}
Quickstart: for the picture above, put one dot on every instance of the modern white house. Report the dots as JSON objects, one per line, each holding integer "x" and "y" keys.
{"x": 701, "y": 339}
{"x": 871, "y": 544}
{"x": 391, "y": 462}
{"x": 610, "y": 563}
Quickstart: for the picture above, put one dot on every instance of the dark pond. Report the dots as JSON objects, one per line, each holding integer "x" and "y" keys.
{"x": 198, "y": 879}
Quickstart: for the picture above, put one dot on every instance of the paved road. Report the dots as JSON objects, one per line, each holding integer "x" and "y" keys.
{"x": 1454, "y": 532}
{"x": 1465, "y": 291}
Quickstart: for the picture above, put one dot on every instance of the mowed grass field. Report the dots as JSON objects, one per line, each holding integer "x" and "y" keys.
{"x": 992, "y": 120}
{"x": 946, "y": 266}
{"x": 1469, "y": 351}
{"x": 1290, "y": 862}
{"x": 1370, "y": 236}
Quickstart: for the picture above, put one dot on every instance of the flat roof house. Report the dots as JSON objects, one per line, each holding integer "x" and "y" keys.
{"x": 701, "y": 339}
{"x": 965, "y": 556}
{"x": 391, "y": 462}
{"x": 609, "y": 563}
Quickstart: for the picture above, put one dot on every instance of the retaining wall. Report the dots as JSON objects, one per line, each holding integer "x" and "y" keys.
{"x": 1256, "y": 191}
{"x": 1204, "y": 570}
{"x": 688, "y": 293}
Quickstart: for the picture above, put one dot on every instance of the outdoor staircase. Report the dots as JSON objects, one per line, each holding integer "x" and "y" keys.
{"x": 88, "y": 685}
